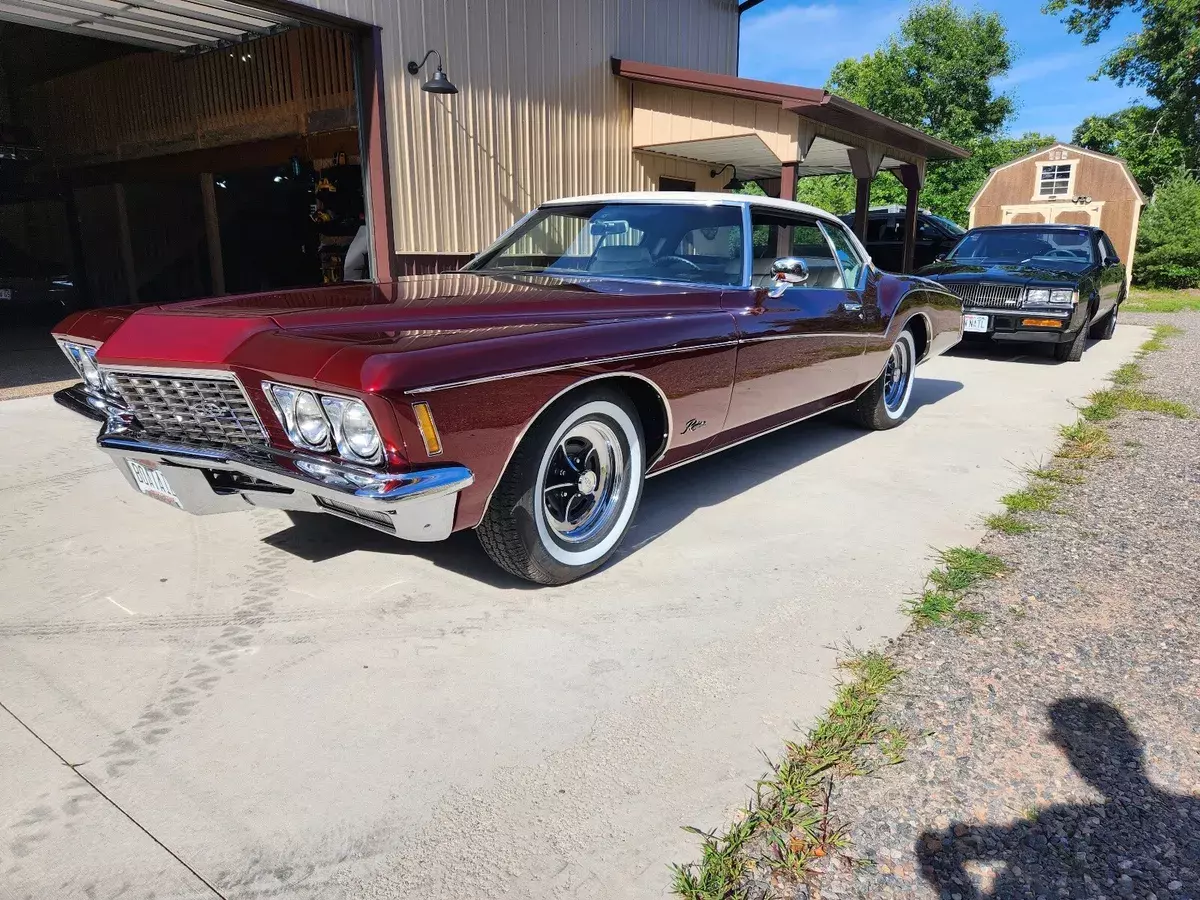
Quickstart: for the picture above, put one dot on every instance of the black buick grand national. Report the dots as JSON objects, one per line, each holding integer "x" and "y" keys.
{"x": 1057, "y": 284}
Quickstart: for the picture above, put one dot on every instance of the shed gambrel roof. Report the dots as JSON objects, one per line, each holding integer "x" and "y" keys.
{"x": 1075, "y": 148}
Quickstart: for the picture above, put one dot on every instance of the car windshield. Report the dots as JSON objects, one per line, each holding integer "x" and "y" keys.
{"x": 953, "y": 227}
{"x": 691, "y": 242}
{"x": 1020, "y": 245}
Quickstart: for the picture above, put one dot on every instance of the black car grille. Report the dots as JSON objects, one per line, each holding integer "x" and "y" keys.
{"x": 991, "y": 296}
{"x": 201, "y": 412}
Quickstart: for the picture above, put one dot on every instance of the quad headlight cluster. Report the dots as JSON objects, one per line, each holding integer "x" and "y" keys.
{"x": 324, "y": 422}
{"x": 83, "y": 358}
{"x": 1050, "y": 297}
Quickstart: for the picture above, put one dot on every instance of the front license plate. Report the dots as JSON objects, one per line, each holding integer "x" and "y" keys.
{"x": 5, "y": 293}
{"x": 975, "y": 323}
{"x": 152, "y": 482}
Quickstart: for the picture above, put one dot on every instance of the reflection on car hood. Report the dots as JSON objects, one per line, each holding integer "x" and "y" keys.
{"x": 1039, "y": 272}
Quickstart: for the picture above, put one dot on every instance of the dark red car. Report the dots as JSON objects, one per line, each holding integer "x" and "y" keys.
{"x": 599, "y": 341}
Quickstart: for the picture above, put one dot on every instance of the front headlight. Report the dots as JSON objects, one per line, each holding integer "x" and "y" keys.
{"x": 1049, "y": 297}
{"x": 1037, "y": 296}
{"x": 83, "y": 358}
{"x": 316, "y": 421}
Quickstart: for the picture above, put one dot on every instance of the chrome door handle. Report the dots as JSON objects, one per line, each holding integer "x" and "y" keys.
{"x": 852, "y": 306}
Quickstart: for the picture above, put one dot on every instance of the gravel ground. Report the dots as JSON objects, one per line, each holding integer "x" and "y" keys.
{"x": 1056, "y": 752}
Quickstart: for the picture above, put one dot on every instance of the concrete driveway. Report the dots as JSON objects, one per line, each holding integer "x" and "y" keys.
{"x": 240, "y": 706}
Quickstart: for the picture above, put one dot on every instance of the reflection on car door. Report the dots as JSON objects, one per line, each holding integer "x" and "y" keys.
{"x": 1112, "y": 274}
{"x": 803, "y": 346}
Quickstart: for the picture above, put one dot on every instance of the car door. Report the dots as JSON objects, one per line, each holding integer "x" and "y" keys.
{"x": 1112, "y": 273}
{"x": 800, "y": 344}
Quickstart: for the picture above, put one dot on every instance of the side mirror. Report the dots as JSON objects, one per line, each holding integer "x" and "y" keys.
{"x": 940, "y": 257}
{"x": 789, "y": 270}
{"x": 1112, "y": 261}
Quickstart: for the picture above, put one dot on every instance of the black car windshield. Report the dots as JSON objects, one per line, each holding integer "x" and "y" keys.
{"x": 699, "y": 243}
{"x": 1020, "y": 245}
{"x": 951, "y": 226}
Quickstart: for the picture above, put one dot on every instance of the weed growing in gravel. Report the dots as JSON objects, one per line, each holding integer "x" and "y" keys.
{"x": 786, "y": 825}
{"x": 894, "y": 745}
{"x": 961, "y": 568}
{"x": 1083, "y": 440}
{"x": 1038, "y": 497}
{"x": 1108, "y": 404}
{"x": 1128, "y": 375}
{"x": 1007, "y": 523}
{"x": 1055, "y": 474}
{"x": 1159, "y": 340}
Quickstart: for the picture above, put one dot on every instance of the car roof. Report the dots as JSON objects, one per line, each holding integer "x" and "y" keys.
{"x": 701, "y": 197}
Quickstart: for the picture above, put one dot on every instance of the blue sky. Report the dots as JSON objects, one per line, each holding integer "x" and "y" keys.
{"x": 1049, "y": 77}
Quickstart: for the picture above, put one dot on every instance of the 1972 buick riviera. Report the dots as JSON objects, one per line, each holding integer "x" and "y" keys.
{"x": 599, "y": 341}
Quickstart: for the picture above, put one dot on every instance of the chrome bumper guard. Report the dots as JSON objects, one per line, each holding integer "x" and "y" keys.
{"x": 78, "y": 398}
{"x": 414, "y": 506}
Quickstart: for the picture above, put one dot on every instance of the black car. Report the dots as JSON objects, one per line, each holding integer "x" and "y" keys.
{"x": 1057, "y": 284}
{"x": 885, "y": 236}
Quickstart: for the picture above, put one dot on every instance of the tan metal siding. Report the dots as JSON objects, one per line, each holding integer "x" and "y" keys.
{"x": 539, "y": 113}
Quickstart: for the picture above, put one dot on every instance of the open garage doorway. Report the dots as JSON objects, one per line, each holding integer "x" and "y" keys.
{"x": 163, "y": 150}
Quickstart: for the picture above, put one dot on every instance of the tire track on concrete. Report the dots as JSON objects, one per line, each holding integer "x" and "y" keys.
{"x": 168, "y": 712}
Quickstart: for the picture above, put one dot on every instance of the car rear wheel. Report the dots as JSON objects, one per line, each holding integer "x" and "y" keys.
{"x": 884, "y": 404}
{"x": 570, "y": 492}
{"x": 1106, "y": 327}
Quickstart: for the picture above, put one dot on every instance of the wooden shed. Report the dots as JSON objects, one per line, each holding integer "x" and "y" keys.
{"x": 1064, "y": 184}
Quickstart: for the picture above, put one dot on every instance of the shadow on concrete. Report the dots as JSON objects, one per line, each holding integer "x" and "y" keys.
{"x": 1139, "y": 841}
{"x": 1010, "y": 351}
{"x": 667, "y": 500}
{"x": 31, "y": 363}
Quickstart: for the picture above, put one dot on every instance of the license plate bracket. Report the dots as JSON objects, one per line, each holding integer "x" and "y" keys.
{"x": 152, "y": 482}
{"x": 975, "y": 323}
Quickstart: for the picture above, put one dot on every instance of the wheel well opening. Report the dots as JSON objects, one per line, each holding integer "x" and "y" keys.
{"x": 651, "y": 411}
{"x": 920, "y": 332}
{"x": 649, "y": 403}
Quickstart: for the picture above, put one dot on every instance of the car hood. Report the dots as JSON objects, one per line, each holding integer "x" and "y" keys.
{"x": 1030, "y": 273}
{"x": 350, "y": 334}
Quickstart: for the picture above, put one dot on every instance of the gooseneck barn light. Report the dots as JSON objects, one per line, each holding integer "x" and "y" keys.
{"x": 439, "y": 83}
{"x": 733, "y": 184}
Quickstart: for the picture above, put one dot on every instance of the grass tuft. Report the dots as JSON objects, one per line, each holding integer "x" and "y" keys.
{"x": 1007, "y": 523}
{"x": 1055, "y": 474}
{"x": 1108, "y": 404}
{"x": 1128, "y": 375}
{"x": 1083, "y": 440}
{"x": 1037, "y": 497}
{"x": 1159, "y": 340}
{"x": 786, "y": 825}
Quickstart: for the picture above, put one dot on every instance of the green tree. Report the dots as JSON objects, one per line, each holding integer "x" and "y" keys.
{"x": 1136, "y": 135}
{"x": 1163, "y": 57}
{"x": 1168, "y": 244}
{"x": 935, "y": 74}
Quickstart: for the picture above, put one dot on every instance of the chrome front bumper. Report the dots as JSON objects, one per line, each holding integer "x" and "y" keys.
{"x": 414, "y": 506}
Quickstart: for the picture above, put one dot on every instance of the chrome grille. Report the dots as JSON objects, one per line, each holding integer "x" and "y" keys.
{"x": 188, "y": 409}
{"x": 991, "y": 296}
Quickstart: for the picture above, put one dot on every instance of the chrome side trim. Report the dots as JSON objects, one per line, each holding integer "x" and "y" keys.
{"x": 757, "y": 434}
{"x": 521, "y": 436}
{"x": 756, "y": 339}
{"x": 86, "y": 342}
{"x": 561, "y": 367}
{"x": 1020, "y": 311}
{"x": 747, "y": 249}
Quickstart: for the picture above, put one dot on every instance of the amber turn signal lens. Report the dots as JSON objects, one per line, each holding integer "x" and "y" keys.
{"x": 429, "y": 432}
{"x": 1043, "y": 323}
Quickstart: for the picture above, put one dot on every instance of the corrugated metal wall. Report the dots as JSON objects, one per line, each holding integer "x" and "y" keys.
{"x": 539, "y": 113}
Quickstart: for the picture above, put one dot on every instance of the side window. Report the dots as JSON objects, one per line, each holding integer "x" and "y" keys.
{"x": 1109, "y": 251}
{"x": 852, "y": 264}
{"x": 777, "y": 235}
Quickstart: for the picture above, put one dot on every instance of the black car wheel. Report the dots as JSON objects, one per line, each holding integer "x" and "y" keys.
{"x": 1072, "y": 350}
{"x": 884, "y": 404}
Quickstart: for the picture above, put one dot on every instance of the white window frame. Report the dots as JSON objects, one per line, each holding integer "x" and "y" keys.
{"x": 1039, "y": 197}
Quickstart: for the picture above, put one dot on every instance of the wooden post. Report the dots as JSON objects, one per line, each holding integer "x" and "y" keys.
{"x": 912, "y": 177}
{"x": 212, "y": 234}
{"x": 864, "y": 163}
{"x": 372, "y": 138}
{"x": 788, "y": 176}
{"x": 125, "y": 242}
{"x": 862, "y": 205}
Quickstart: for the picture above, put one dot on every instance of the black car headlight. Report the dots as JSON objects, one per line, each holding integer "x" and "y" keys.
{"x": 1050, "y": 297}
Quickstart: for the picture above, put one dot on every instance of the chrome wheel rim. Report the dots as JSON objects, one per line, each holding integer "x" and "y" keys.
{"x": 896, "y": 375}
{"x": 584, "y": 483}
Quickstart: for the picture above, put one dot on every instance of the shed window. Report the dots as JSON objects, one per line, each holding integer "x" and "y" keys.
{"x": 1055, "y": 180}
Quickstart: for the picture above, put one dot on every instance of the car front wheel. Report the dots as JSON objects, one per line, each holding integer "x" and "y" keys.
{"x": 570, "y": 492}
